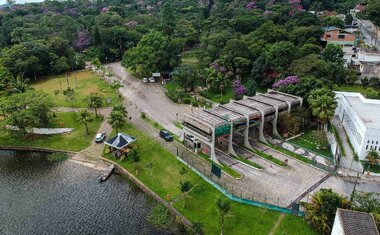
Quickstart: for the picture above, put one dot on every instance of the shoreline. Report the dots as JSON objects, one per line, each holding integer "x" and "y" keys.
{"x": 35, "y": 149}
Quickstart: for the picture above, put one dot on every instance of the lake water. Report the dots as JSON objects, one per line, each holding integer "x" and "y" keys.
{"x": 39, "y": 197}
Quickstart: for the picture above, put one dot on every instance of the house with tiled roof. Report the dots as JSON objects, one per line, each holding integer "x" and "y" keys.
{"x": 349, "y": 222}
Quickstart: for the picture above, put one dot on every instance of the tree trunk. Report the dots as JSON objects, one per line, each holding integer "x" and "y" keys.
{"x": 96, "y": 112}
{"x": 85, "y": 124}
{"x": 67, "y": 79}
{"x": 75, "y": 77}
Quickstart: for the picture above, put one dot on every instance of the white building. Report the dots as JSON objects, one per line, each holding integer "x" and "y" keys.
{"x": 361, "y": 120}
{"x": 349, "y": 222}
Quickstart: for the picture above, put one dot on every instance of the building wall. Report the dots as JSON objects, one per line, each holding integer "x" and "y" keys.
{"x": 368, "y": 57}
{"x": 337, "y": 227}
{"x": 338, "y": 37}
{"x": 361, "y": 137}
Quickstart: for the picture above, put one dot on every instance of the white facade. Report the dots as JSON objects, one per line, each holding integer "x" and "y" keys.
{"x": 337, "y": 227}
{"x": 361, "y": 120}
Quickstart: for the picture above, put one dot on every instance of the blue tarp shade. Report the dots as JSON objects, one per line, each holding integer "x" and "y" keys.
{"x": 120, "y": 141}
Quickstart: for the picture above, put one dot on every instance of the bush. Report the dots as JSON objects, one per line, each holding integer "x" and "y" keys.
{"x": 57, "y": 157}
{"x": 186, "y": 100}
{"x": 159, "y": 216}
{"x": 143, "y": 115}
{"x": 195, "y": 104}
{"x": 134, "y": 155}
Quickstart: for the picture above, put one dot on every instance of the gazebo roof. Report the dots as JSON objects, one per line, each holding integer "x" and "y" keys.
{"x": 120, "y": 141}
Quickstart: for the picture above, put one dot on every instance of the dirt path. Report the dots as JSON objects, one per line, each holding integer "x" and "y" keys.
{"x": 278, "y": 222}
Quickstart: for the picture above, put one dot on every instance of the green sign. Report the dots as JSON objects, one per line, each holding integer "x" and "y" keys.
{"x": 216, "y": 170}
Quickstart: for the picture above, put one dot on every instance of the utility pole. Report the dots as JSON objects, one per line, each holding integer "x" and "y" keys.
{"x": 353, "y": 190}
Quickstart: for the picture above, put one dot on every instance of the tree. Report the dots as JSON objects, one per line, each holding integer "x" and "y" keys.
{"x": 366, "y": 202}
{"x": 117, "y": 117}
{"x": 185, "y": 76}
{"x": 372, "y": 93}
{"x": 69, "y": 93}
{"x": 84, "y": 118}
{"x": 322, "y": 104}
{"x": 320, "y": 211}
{"x": 333, "y": 54}
{"x": 280, "y": 55}
{"x": 235, "y": 55}
{"x": 96, "y": 63}
{"x": 116, "y": 85}
{"x": 168, "y": 21}
{"x": 224, "y": 206}
{"x": 185, "y": 188}
{"x": 372, "y": 157}
{"x": 251, "y": 87}
{"x": 19, "y": 84}
{"x": 95, "y": 100}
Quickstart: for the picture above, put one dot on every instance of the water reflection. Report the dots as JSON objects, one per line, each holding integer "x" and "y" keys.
{"x": 39, "y": 197}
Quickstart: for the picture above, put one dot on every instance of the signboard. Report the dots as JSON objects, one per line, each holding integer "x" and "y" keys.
{"x": 216, "y": 170}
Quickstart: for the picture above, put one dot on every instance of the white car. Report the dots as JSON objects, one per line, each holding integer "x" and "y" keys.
{"x": 100, "y": 137}
{"x": 145, "y": 80}
{"x": 151, "y": 79}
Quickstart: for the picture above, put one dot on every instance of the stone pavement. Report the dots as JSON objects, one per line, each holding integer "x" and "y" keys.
{"x": 92, "y": 154}
{"x": 348, "y": 161}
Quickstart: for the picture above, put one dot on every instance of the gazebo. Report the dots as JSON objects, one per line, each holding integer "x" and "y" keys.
{"x": 118, "y": 144}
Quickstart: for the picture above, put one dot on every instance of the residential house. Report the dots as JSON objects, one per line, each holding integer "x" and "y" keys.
{"x": 349, "y": 222}
{"x": 337, "y": 36}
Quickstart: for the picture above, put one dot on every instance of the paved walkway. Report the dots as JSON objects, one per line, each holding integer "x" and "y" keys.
{"x": 348, "y": 161}
{"x": 43, "y": 131}
{"x": 92, "y": 154}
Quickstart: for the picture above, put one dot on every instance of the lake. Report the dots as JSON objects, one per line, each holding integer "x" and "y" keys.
{"x": 39, "y": 197}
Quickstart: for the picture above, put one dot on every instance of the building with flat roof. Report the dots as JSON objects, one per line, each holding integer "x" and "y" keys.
{"x": 349, "y": 222}
{"x": 361, "y": 120}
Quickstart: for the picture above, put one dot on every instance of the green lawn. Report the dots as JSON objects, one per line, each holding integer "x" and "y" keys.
{"x": 293, "y": 225}
{"x": 87, "y": 82}
{"x": 353, "y": 88}
{"x": 190, "y": 58}
{"x": 164, "y": 177}
{"x": 307, "y": 141}
{"x": 267, "y": 156}
{"x": 74, "y": 141}
{"x": 215, "y": 95}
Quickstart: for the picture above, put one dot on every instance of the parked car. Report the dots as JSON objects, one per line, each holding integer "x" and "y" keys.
{"x": 166, "y": 135}
{"x": 151, "y": 79}
{"x": 100, "y": 137}
{"x": 145, "y": 80}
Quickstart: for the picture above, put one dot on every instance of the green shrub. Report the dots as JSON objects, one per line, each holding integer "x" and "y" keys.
{"x": 159, "y": 216}
{"x": 186, "y": 100}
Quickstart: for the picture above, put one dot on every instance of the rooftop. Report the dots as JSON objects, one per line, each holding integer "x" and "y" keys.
{"x": 354, "y": 222}
{"x": 368, "y": 110}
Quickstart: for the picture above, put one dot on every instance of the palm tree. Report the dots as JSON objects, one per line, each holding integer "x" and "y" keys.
{"x": 84, "y": 118}
{"x": 116, "y": 120}
{"x": 372, "y": 157}
{"x": 322, "y": 104}
{"x": 19, "y": 84}
{"x": 185, "y": 187}
{"x": 209, "y": 75}
{"x": 95, "y": 100}
{"x": 116, "y": 85}
{"x": 69, "y": 93}
{"x": 224, "y": 207}
{"x": 119, "y": 107}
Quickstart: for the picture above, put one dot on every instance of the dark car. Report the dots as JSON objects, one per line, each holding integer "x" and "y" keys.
{"x": 166, "y": 135}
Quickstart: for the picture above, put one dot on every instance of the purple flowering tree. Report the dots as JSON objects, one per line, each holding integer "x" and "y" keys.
{"x": 251, "y": 5}
{"x": 131, "y": 24}
{"x": 239, "y": 89}
{"x": 82, "y": 41}
{"x": 296, "y": 6}
{"x": 286, "y": 81}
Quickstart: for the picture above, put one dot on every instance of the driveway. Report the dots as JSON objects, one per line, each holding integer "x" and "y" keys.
{"x": 149, "y": 98}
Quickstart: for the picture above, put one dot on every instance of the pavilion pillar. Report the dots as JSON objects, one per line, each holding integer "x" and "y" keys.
{"x": 230, "y": 140}
{"x": 212, "y": 148}
{"x": 274, "y": 122}
{"x": 246, "y": 135}
{"x": 261, "y": 128}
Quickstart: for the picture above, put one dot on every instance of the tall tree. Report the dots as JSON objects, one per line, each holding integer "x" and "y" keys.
{"x": 322, "y": 104}
{"x": 224, "y": 206}
{"x": 117, "y": 117}
{"x": 320, "y": 211}
{"x": 95, "y": 100}
{"x": 185, "y": 188}
{"x": 84, "y": 118}
{"x": 372, "y": 157}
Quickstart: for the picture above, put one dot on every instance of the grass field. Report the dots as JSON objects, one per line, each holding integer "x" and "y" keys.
{"x": 293, "y": 225}
{"x": 160, "y": 170}
{"x": 87, "y": 82}
{"x": 215, "y": 95}
{"x": 354, "y": 88}
{"x": 307, "y": 141}
{"x": 74, "y": 141}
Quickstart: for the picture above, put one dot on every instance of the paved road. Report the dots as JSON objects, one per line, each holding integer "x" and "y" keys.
{"x": 149, "y": 98}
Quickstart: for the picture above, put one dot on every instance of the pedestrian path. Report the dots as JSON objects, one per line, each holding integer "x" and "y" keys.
{"x": 347, "y": 162}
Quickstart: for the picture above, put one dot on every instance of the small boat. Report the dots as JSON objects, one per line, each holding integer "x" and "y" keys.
{"x": 107, "y": 174}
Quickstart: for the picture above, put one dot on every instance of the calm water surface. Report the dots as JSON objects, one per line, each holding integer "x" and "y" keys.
{"x": 39, "y": 197}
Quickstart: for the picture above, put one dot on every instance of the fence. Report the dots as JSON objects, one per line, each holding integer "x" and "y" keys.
{"x": 237, "y": 190}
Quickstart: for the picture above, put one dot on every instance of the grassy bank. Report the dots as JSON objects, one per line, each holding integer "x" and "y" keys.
{"x": 162, "y": 172}
{"x": 308, "y": 141}
{"x": 74, "y": 141}
{"x": 291, "y": 154}
{"x": 86, "y": 83}
{"x": 267, "y": 156}
{"x": 246, "y": 161}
